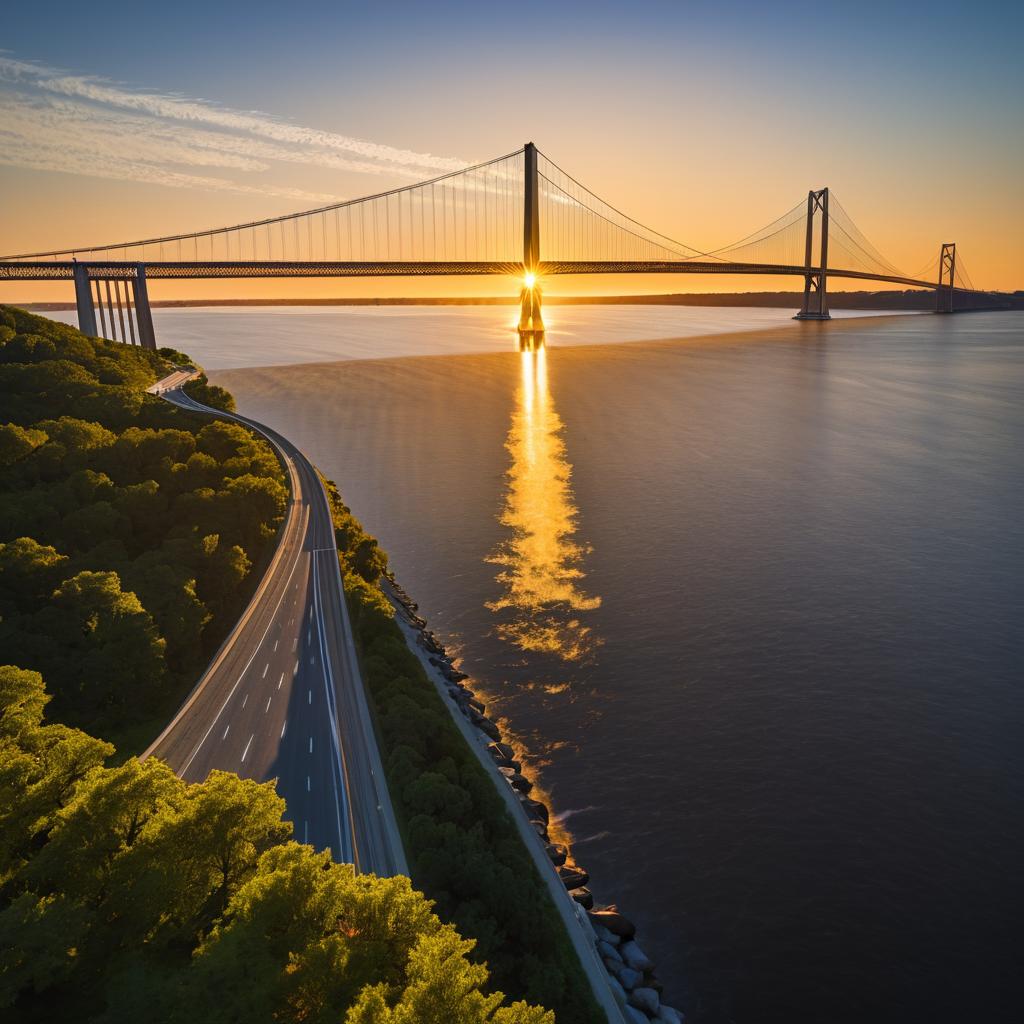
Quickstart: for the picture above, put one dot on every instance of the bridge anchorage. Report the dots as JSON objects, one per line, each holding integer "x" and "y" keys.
{"x": 519, "y": 215}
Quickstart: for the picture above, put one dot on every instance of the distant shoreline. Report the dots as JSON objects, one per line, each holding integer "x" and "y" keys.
{"x": 911, "y": 299}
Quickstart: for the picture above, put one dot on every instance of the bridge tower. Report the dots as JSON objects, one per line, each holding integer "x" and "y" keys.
{"x": 531, "y": 323}
{"x": 815, "y": 305}
{"x": 129, "y": 294}
{"x": 947, "y": 278}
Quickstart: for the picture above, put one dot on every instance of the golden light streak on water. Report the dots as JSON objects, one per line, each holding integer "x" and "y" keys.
{"x": 541, "y": 562}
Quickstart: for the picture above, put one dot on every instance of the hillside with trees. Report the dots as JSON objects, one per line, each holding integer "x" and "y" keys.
{"x": 131, "y": 531}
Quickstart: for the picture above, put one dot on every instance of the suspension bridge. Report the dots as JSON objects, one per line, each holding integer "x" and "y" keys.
{"x": 519, "y": 214}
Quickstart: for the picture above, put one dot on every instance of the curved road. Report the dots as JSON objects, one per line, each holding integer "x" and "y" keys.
{"x": 283, "y": 698}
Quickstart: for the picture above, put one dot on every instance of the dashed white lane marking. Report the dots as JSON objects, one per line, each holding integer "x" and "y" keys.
{"x": 311, "y": 744}
{"x": 280, "y": 681}
{"x": 308, "y": 784}
{"x": 247, "y": 746}
{"x": 295, "y": 671}
{"x": 245, "y": 700}
{"x": 305, "y": 831}
{"x": 310, "y": 700}
{"x": 265, "y": 667}
{"x": 225, "y": 736}
{"x": 276, "y": 642}
{"x": 267, "y": 708}
{"x": 295, "y": 643}
{"x": 312, "y": 659}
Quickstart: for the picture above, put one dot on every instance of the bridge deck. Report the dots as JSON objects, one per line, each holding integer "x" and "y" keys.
{"x": 62, "y": 271}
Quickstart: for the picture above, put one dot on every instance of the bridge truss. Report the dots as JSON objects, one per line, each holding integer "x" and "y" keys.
{"x": 519, "y": 214}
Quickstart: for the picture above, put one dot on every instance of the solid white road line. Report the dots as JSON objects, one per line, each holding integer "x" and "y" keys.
{"x": 247, "y": 746}
{"x": 206, "y": 735}
{"x": 338, "y": 775}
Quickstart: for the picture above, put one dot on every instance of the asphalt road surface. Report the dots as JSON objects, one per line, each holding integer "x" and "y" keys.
{"x": 283, "y": 698}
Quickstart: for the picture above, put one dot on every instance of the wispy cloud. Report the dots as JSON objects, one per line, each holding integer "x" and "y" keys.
{"x": 54, "y": 121}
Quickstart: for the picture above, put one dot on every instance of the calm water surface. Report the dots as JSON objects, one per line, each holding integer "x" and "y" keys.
{"x": 754, "y": 602}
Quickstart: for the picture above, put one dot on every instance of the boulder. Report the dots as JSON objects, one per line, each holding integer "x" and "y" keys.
{"x": 535, "y": 809}
{"x": 573, "y": 877}
{"x": 645, "y": 999}
{"x": 635, "y": 1016}
{"x": 485, "y": 725}
{"x": 615, "y": 922}
{"x": 666, "y": 1015}
{"x": 477, "y": 704}
{"x": 503, "y": 749}
{"x": 515, "y": 780}
{"x": 602, "y": 933}
{"x": 456, "y": 676}
{"x": 607, "y": 951}
{"x": 558, "y": 854}
{"x": 635, "y": 956}
{"x": 541, "y": 828}
{"x": 583, "y": 896}
{"x": 628, "y": 978}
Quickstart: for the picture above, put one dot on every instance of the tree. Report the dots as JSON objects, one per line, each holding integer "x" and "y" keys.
{"x": 17, "y": 442}
{"x": 107, "y": 640}
{"x": 29, "y": 571}
{"x": 253, "y": 505}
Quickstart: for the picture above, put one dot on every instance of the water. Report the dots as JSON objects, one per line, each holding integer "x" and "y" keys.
{"x": 754, "y": 602}
{"x": 237, "y": 336}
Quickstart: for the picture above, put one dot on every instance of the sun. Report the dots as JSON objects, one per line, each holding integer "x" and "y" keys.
{"x": 529, "y": 279}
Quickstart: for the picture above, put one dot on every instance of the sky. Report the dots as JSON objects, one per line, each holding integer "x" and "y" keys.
{"x": 704, "y": 120}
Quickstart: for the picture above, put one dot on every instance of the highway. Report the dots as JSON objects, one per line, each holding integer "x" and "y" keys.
{"x": 283, "y": 698}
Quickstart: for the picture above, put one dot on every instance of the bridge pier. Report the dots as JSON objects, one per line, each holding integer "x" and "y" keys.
{"x": 129, "y": 295}
{"x": 815, "y": 304}
{"x": 531, "y": 323}
{"x": 947, "y": 278}
{"x": 83, "y": 300}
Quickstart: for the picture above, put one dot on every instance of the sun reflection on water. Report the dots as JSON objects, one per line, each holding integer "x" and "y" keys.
{"x": 541, "y": 563}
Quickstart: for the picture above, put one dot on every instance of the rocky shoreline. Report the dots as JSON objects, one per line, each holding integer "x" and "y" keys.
{"x": 631, "y": 973}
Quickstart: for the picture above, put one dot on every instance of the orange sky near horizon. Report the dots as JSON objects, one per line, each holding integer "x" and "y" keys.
{"x": 703, "y": 126}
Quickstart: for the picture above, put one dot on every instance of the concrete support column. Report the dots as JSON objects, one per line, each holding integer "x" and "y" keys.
{"x": 83, "y": 300}
{"x": 143, "y": 314}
